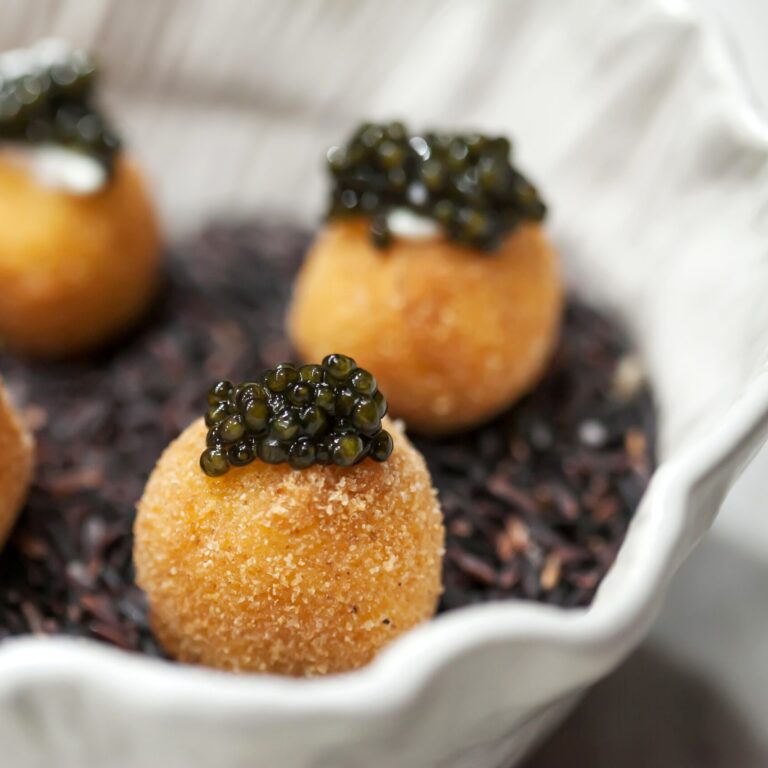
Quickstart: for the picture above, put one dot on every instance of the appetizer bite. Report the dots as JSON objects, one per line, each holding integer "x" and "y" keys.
{"x": 79, "y": 242}
{"x": 16, "y": 446}
{"x": 434, "y": 271}
{"x": 305, "y": 537}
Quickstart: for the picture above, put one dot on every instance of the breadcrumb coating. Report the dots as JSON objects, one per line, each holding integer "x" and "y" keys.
{"x": 17, "y": 449}
{"x": 74, "y": 269}
{"x": 296, "y": 572}
{"x": 452, "y": 335}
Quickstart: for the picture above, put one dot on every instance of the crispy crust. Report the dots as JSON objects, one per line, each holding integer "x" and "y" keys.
{"x": 17, "y": 450}
{"x": 452, "y": 336}
{"x": 74, "y": 270}
{"x": 296, "y": 572}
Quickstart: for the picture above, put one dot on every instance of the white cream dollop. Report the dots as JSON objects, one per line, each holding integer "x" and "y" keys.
{"x": 404, "y": 223}
{"x": 60, "y": 168}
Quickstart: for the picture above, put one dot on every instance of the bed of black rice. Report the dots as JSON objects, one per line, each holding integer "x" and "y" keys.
{"x": 537, "y": 503}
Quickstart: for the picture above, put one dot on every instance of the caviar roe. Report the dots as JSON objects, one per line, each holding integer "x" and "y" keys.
{"x": 466, "y": 183}
{"x": 46, "y": 97}
{"x": 312, "y": 414}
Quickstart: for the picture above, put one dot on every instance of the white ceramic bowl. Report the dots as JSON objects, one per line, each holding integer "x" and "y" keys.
{"x": 631, "y": 117}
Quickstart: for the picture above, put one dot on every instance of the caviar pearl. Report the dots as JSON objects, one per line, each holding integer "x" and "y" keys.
{"x": 214, "y": 462}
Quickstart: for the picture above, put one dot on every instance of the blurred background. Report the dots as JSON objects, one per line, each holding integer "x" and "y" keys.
{"x": 681, "y": 700}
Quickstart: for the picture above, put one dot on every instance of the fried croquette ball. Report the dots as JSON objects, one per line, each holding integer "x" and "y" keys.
{"x": 453, "y": 335}
{"x": 16, "y": 448}
{"x": 75, "y": 269}
{"x": 295, "y": 572}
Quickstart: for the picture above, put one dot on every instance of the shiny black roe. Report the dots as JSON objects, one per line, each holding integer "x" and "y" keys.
{"x": 300, "y": 415}
{"x": 466, "y": 183}
{"x": 49, "y": 101}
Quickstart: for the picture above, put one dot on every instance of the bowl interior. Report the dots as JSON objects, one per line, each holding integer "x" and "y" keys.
{"x": 639, "y": 134}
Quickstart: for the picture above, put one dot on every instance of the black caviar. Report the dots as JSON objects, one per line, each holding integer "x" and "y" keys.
{"x": 310, "y": 414}
{"x": 46, "y": 98}
{"x": 464, "y": 182}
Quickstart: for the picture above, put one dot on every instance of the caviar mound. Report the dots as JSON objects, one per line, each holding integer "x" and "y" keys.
{"x": 452, "y": 339}
{"x": 324, "y": 414}
{"x": 75, "y": 270}
{"x": 466, "y": 183}
{"x": 298, "y": 573}
{"x": 46, "y": 97}
{"x": 16, "y": 448}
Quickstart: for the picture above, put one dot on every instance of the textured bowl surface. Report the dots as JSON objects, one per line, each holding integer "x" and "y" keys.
{"x": 633, "y": 120}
